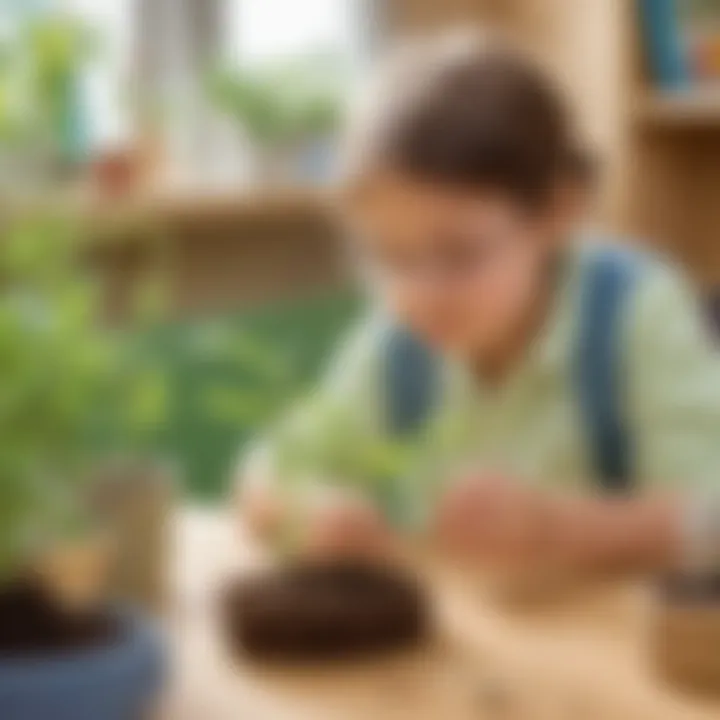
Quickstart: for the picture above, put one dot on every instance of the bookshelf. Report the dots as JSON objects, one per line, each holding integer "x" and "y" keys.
{"x": 680, "y": 110}
{"x": 660, "y": 151}
{"x": 671, "y": 162}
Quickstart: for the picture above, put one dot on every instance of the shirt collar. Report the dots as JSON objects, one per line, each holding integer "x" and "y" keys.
{"x": 551, "y": 351}
{"x": 553, "y": 347}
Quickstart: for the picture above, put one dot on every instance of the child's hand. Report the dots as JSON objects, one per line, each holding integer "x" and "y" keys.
{"x": 333, "y": 523}
{"x": 520, "y": 529}
{"x": 345, "y": 525}
{"x": 493, "y": 520}
{"x": 260, "y": 509}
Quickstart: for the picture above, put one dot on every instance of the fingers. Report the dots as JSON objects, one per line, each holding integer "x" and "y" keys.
{"x": 489, "y": 518}
{"x": 348, "y": 529}
{"x": 467, "y": 515}
{"x": 261, "y": 511}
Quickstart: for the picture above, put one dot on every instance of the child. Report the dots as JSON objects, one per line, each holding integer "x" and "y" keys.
{"x": 462, "y": 201}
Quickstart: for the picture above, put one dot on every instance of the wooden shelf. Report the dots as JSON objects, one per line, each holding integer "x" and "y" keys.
{"x": 245, "y": 204}
{"x": 185, "y": 205}
{"x": 681, "y": 109}
{"x": 111, "y": 219}
{"x": 180, "y": 201}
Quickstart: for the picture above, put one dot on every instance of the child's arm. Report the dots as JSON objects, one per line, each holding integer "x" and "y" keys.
{"x": 497, "y": 521}
{"x": 673, "y": 519}
{"x": 674, "y": 399}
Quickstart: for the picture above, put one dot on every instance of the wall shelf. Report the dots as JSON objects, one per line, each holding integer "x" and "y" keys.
{"x": 690, "y": 109}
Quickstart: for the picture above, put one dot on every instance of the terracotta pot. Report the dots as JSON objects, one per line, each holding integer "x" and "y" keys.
{"x": 134, "y": 501}
{"x": 76, "y": 572}
{"x": 116, "y": 173}
{"x": 685, "y": 638}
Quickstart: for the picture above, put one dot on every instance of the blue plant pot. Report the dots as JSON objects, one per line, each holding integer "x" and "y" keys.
{"x": 118, "y": 681}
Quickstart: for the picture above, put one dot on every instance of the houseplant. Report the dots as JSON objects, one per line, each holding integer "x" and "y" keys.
{"x": 43, "y": 131}
{"x": 288, "y": 111}
{"x": 331, "y": 608}
{"x": 64, "y": 651}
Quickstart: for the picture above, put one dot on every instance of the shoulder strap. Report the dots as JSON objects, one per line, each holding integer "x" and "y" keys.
{"x": 608, "y": 282}
{"x": 410, "y": 389}
{"x": 410, "y": 382}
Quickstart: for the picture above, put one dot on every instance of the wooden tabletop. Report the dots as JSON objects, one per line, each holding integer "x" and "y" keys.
{"x": 587, "y": 659}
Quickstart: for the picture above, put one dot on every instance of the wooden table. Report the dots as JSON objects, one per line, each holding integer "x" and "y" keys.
{"x": 585, "y": 661}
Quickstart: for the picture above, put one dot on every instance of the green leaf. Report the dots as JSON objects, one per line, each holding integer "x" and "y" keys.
{"x": 283, "y": 104}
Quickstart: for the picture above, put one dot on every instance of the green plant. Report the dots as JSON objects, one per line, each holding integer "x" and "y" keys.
{"x": 72, "y": 389}
{"x": 40, "y": 64}
{"x": 282, "y": 104}
{"x": 259, "y": 394}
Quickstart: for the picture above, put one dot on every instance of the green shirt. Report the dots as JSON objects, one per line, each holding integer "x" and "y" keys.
{"x": 529, "y": 428}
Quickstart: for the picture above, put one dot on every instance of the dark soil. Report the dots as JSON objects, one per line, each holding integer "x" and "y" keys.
{"x": 33, "y": 624}
{"x": 325, "y": 610}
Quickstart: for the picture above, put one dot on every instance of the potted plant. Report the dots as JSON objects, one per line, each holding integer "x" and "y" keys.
{"x": 65, "y": 650}
{"x": 43, "y": 132}
{"x": 328, "y": 609}
{"x": 288, "y": 111}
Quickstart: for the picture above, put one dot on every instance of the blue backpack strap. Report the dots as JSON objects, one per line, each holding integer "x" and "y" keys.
{"x": 411, "y": 382}
{"x": 608, "y": 282}
{"x": 410, "y": 391}
{"x": 411, "y": 373}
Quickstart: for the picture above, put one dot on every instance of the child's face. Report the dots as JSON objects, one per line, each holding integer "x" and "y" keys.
{"x": 460, "y": 269}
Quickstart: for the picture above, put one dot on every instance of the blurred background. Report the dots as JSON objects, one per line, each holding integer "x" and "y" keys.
{"x": 190, "y": 144}
{"x": 171, "y": 276}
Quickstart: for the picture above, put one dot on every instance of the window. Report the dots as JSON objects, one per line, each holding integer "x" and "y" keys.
{"x": 106, "y": 75}
{"x": 159, "y": 52}
{"x": 272, "y": 29}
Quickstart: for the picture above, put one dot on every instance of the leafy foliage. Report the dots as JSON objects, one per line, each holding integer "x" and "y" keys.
{"x": 68, "y": 384}
{"x": 282, "y": 104}
{"x": 40, "y": 61}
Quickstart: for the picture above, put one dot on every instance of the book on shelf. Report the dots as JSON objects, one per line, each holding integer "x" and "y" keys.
{"x": 681, "y": 39}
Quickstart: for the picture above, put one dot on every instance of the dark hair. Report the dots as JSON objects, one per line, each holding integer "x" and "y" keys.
{"x": 473, "y": 115}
